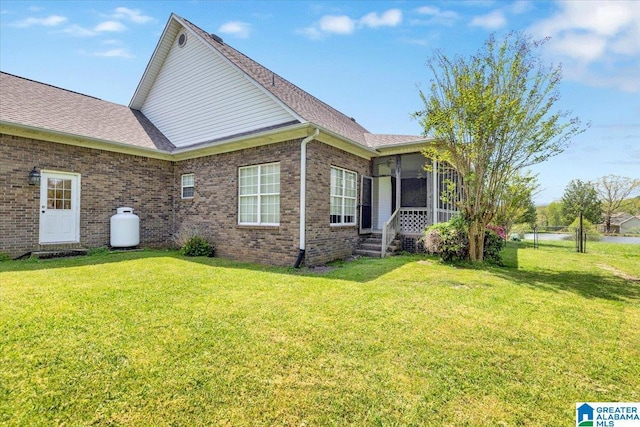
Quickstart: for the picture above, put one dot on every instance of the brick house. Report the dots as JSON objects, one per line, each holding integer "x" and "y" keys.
{"x": 210, "y": 140}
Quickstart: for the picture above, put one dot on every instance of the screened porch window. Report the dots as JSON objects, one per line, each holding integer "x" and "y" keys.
{"x": 343, "y": 197}
{"x": 259, "y": 195}
{"x": 415, "y": 181}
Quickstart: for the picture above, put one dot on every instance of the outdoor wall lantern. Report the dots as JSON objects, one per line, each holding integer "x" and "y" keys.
{"x": 34, "y": 177}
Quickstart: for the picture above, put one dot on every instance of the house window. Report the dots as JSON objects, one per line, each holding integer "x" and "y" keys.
{"x": 343, "y": 197}
{"x": 187, "y": 186}
{"x": 259, "y": 195}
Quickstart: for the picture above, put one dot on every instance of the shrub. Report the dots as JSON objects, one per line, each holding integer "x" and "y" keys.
{"x": 499, "y": 230}
{"x": 493, "y": 244}
{"x": 451, "y": 241}
{"x": 198, "y": 246}
{"x": 448, "y": 239}
{"x": 4, "y": 257}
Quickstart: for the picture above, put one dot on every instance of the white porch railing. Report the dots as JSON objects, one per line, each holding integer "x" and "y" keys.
{"x": 415, "y": 220}
{"x": 389, "y": 231}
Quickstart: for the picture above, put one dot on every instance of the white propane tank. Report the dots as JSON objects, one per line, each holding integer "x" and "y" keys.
{"x": 125, "y": 228}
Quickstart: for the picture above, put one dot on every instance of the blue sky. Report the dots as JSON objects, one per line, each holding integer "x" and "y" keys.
{"x": 367, "y": 59}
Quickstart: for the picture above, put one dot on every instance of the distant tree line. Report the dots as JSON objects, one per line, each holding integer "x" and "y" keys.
{"x": 598, "y": 201}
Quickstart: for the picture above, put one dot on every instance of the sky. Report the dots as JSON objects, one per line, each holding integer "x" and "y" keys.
{"x": 364, "y": 58}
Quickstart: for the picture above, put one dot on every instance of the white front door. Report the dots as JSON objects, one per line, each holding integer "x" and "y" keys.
{"x": 59, "y": 207}
{"x": 382, "y": 201}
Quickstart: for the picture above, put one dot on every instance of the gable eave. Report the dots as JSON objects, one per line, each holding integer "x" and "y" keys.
{"x": 188, "y": 26}
{"x": 154, "y": 65}
{"x": 171, "y": 30}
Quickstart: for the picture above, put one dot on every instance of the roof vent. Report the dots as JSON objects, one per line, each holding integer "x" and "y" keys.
{"x": 182, "y": 39}
{"x": 352, "y": 119}
{"x": 216, "y": 38}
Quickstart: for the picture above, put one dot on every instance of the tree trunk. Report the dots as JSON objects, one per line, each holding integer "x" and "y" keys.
{"x": 608, "y": 224}
{"x": 476, "y": 241}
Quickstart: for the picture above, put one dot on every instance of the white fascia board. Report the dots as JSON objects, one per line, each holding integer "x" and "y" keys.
{"x": 288, "y": 133}
{"x": 273, "y": 136}
{"x": 155, "y": 63}
{"x": 245, "y": 75}
{"x": 81, "y": 141}
{"x": 300, "y": 130}
{"x": 404, "y": 148}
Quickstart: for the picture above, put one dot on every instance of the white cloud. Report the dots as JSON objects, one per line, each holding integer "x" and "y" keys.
{"x": 337, "y": 24}
{"x": 77, "y": 31}
{"x": 598, "y": 42}
{"x": 438, "y": 16}
{"x": 133, "y": 15}
{"x": 601, "y": 17}
{"x": 583, "y": 47}
{"x": 345, "y": 25}
{"x": 110, "y": 26}
{"x": 390, "y": 18}
{"x": 491, "y": 21}
{"x": 520, "y": 6}
{"x": 236, "y": 28}
{"x": 49, "y": 21}
{"x": 114, "y": 53}
{"x": 311, "y": 32}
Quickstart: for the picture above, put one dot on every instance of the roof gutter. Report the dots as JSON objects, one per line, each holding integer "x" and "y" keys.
{"x": 303, "y": 196}
{"x": 27, "y": 131}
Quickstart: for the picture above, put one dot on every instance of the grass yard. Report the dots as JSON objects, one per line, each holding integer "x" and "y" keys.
{"x": 153, "y": 338}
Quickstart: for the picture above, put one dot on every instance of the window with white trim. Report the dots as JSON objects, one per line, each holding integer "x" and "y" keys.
{"x": 188, "y": 185}
{"x": 259, "y": 194}
{"x": 343, "y": 197}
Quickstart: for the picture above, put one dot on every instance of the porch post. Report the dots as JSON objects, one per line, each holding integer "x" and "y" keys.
{"x": 398, "y": 183}
{"x": 436, "y": 193}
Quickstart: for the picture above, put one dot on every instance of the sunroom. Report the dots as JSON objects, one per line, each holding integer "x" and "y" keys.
{"x": 405, "y": 194}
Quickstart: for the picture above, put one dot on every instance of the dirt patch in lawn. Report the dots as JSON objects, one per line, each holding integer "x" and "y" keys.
{"x": 618, "y": 273}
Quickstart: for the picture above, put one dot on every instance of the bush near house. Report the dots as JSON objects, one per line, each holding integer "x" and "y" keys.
{"x": 198, "y": 246}
{"x": 450, "y": 241}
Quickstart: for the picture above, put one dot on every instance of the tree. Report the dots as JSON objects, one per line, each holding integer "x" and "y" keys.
{"x": 580, "y": 196}
{"x": 550, "y": 215}
{"x": 631, "y": 206}
{"x": 491, "y": 116}
{"x": 613, "y": 190}
{"x": 516, "y": 204}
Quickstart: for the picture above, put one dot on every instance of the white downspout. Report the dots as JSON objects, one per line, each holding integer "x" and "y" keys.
{"x": 303, "y": 194}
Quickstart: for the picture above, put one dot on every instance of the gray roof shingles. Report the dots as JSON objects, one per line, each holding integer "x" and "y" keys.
{"x": 302, "y": 103}
{"x": 32, "y": 104}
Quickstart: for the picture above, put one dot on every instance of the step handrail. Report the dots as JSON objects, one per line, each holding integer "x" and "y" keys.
{"x": 389, "y": 232}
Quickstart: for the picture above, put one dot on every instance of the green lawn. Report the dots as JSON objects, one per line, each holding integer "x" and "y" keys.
{"x": 153, "y": 338}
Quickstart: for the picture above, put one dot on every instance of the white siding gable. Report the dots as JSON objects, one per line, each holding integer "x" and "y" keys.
{"x": 198, "y": 96}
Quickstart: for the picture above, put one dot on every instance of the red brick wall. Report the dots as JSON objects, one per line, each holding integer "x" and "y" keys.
{"x": 152, "y": 188}
{"x": 324, "y": 242}
{"x": 214, "y": 207}
{"x": 108, "y": 181}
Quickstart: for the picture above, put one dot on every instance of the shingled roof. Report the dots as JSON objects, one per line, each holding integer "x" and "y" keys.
{"x": 36, "y": 105}
{"x": 302, "y": 103}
